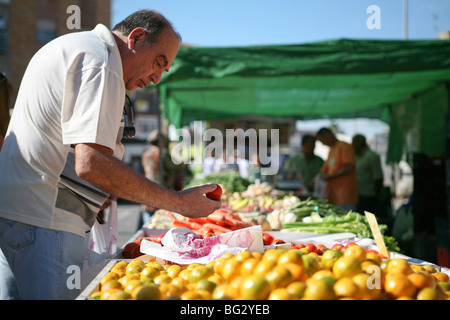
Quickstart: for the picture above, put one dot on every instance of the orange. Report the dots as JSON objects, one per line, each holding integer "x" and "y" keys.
{"x": 128, "y": 277}
{"x": 368, "y": 264}
{"x": 169, "y": 290}
{"x": 179, "y": 281}
{"x": 235, "y": 286}
{"x": 173, "y": 270}
{"x": 428, "y": 294}
{"x": 190, "y": 295}
{"x": 150, "y": 272}
{"x": 222, "y": 292}
{"x": 120, "y": 265}
{"x": 119, "y": 295}
{"x": 120, "y": 272}
{"x": 440, "y": 277}
{"x": 146, "y": 292}
{"x": 131, "y": 285}
{"x": 304, "y": 250}
{"x": 105, "y": 295}
{"x": 346, "y": 288}
{"x": 445, "y": 286}
{"x": 272, "y": 254}
{"x": 205, "y": 284}
{"x": 311, "y": 264}
{"x": 398, "y": 285}
{"x": 255, "y": 288}
{"x": 248, "y": 266}
{"x": 321, "y": 274}
{"x": 192, "y": 266}
{"x": 162, "y": 278}
{"x": 417, "y": 268}
{"x": 218, "y": 265}
{"x": 109, "y": 276}
{"x": 111, "y": 284}
{"x": 318, "y": 290}
{"x": 429, "y": 268}
{"x": 369, "y": 288}
{"x": 329, "y": 257}
{"x": 154, "y": 264}
{"x": 231, "y": 269}
{"x": 216, "y": 279}
{"x": 134, "y": 268}
{"x": 373, "y": 257}
{"x": 383, "y": 266}
{"x": 280, "y": 294}
{"x": 263, "y": 267}
{"x": 399, "y": 265}
{"x": 227, "y": 255}
{"x": 297, "y": 271}
{"x": 257, "y": 255}
{"x": 346, "y": 266}
{"x": 355, "y": 251}
{"x": 204, "y": 294}
{"x": 296, "y": 289}
{"x": 136, "y": 262}
{"x": 184, "y": 274}
{"x": 290, "y": 256}
{"x": 421, "y": 280}
{"x": 200, "y": 272}
{"x": 242, "y": 256}
{"x": 279, "y": 277}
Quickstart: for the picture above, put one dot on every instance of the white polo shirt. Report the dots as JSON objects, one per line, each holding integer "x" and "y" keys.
{"x": 72, "y": 92}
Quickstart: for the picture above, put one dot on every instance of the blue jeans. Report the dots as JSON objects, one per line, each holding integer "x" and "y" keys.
{"x": 38, "y": 263}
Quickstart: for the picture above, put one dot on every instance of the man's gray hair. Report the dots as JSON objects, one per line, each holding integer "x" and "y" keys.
{"x": 151, "y": 21}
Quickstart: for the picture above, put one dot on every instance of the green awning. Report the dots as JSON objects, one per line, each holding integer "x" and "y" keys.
{"x": 331, "y": 79}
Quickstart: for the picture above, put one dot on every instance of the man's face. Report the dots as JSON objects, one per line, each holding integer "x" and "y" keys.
{"x": 308, "y": 147}
{"x": 324, "y": 139}
{"x": 146, "y": 61}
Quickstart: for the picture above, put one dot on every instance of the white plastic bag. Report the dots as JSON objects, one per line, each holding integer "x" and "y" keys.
{"x": 100, "y": 245}
{"x": 320, "y": 188}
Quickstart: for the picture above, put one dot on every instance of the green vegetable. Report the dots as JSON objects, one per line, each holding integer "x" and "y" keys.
{"x": 329, "y": 219}
{"x": 230, "y": 180}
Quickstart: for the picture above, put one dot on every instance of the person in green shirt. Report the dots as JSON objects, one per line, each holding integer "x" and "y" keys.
{"x": 369, "y": 175}
{"x": 305, "y": 165}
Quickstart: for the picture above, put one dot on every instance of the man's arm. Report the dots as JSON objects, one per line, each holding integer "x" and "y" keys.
{"x": 345, "y": 170}
{"x": 95, "y": 164}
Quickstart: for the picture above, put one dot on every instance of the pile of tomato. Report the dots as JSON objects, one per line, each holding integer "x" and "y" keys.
{"x": 319, "y": 249}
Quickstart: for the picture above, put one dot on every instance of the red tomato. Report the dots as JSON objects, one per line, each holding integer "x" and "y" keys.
{"x": 337, "y": 246}
{"x": 350, "y": 244}
{"x": 311, "y": 247}
{"x": 300, "y": 245}
{"x": 267, "y": 238}
{"x": 278, "y": 241}
{"x": 321, "y": 247}
{"x": 215, "y": 194}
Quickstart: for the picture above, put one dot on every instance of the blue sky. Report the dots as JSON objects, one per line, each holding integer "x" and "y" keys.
{"x": 269, "y": 22}
{"x": 227, "y": 23}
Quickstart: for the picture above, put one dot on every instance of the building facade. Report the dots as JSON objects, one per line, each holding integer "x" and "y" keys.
{"x": 27, "y": 25}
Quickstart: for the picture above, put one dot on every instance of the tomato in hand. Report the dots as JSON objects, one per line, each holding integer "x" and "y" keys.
{"x": 215, "y": 194}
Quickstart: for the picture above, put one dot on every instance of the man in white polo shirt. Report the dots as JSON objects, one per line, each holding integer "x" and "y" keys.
{"x": 61, "y": 158}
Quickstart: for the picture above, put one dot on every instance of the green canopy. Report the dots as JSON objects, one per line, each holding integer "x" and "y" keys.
{"x": 379, "y": 79}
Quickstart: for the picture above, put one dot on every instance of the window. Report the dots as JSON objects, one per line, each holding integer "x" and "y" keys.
{"x": 46, "y": 30}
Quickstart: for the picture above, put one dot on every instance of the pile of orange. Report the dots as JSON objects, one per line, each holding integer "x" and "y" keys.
{"x": 278, "y": 274}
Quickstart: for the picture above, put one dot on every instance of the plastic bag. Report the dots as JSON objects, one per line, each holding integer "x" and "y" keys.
{"x": 320, "y": 188}
{"x": 100, "y": 245}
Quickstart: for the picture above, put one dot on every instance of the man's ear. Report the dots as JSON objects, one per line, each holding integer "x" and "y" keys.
{"x": 136, "y": 35}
